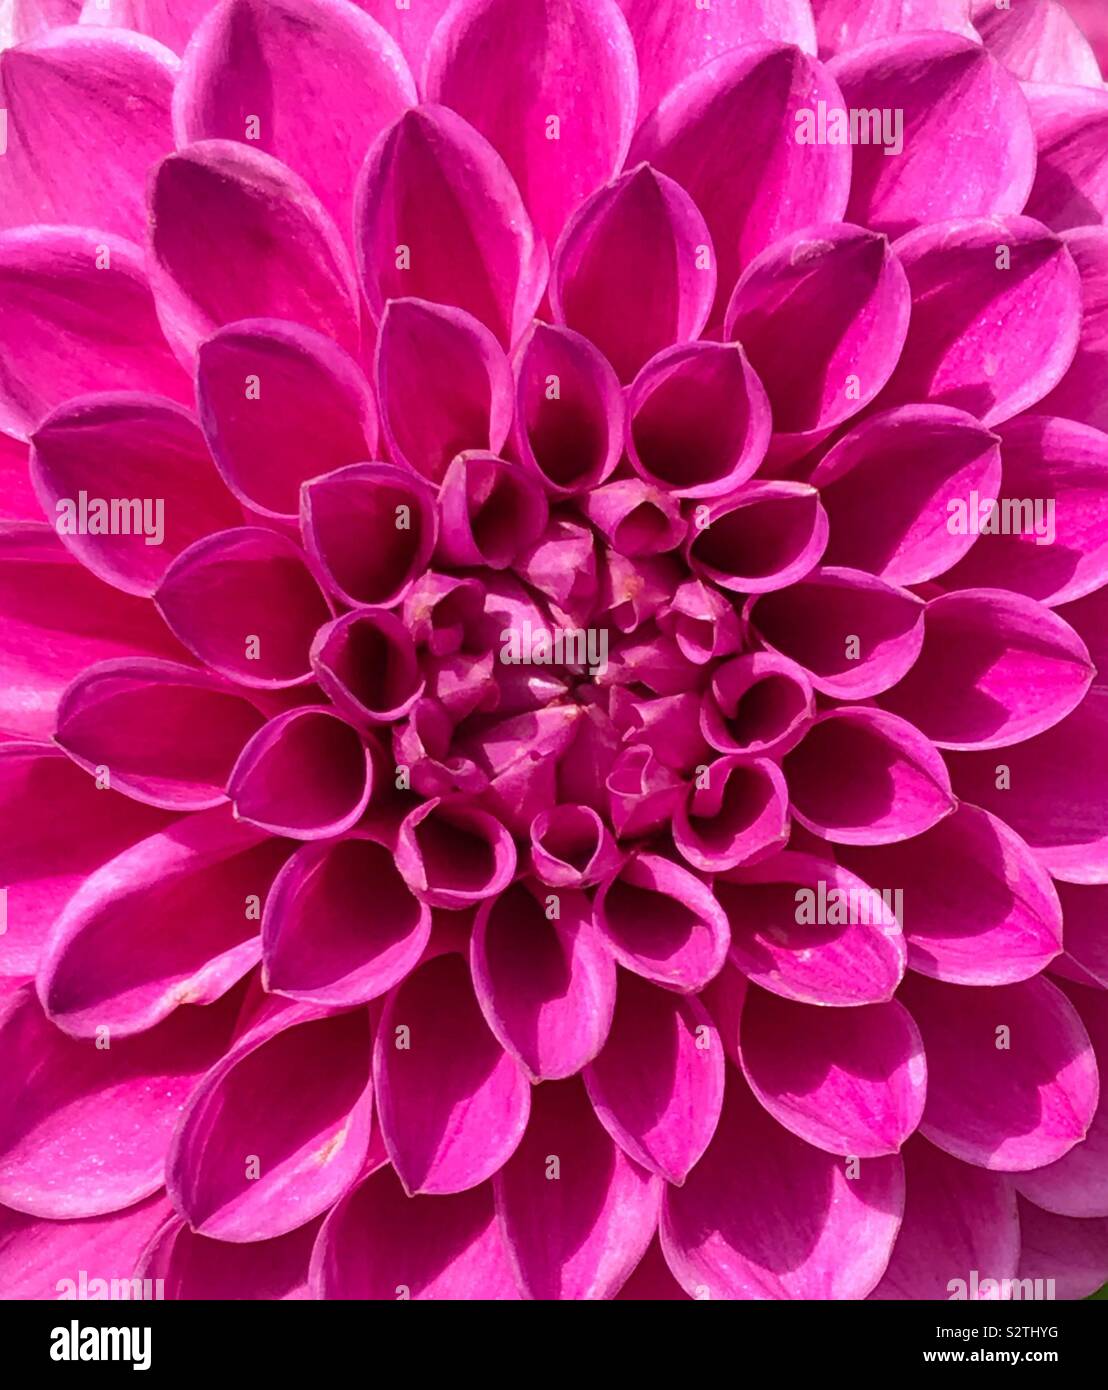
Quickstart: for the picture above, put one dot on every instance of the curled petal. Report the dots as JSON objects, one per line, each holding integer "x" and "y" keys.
{"x": 560, "y": 137}
{"x": 562, "y": 565}
{"x": 637, "y": 519}
{"x": 491, "y": 510}
{"x": 340, "y": 924}
{"x": 823, "y": 315}
{"x": 642, "y": 229}
{"x": 854, "y": 635}
{"x": 643, "y": 791}
{"x": 759, "y": 89}
{"x": 311, "y": 82}
{"x": 307, "y": 1150}
{"x": 767, "y": 536}
{"x": 280, "y": 255}
{"x": 663, "y": 923}
{"x": 765, "y": 1215}
{"x": 131, "y": 483}
{"x": 568, "y": 411}
{"x": 760, "y": 704}
{"x": 915, "y": 466}
{"x": 577, "y": 1238}
{"x": 546, "y": 984}
{"x": 736, "y": 811}
{"x": 465, "y": 240}
{"x": 571, "y": 847}
{"x": 453, "y": 1105}
{"x": 793, "y": 933}
{"x": 703, "y": 623}
{"x": 865, "y": 777}
{"x": 1071, "y": 128}
{"x": 366, "y": 663}
{"x": 247, "y": 605}
{"x": 452, "y": 855}
{"x": 698, "y": 422}
{"x": 423, "y": 348}
{"x": 996, "y": 314}
{"x": 76, "y": 315}
{"x": 850, "y": 1081}
{"x": 936, "y": 83}
{"x": 262, "y": 387}
{"x": 87, "y": 113}
{"x": 978, "y": 909}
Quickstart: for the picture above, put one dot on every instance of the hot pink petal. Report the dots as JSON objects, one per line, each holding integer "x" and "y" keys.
{"x": 452, "y": 1104}
{"x": 464, "y": 238}
{"x": 87, "y": 114}
{"x": 490, "y": 511}
{"x": 736, "y": 811}
{"x": 366, "y": 663}
{"x": 191, "y": 1266}
{"x": 1071, "y": 127}
{"x": 702, "y": 621}
{"x": 841, "y": 24}
{"x": 758, "y": 89}
{"x": 913, "y": 465}
{"x": 340, "y": 925}
{"x": 759, "y": 704}
{"x": 571, "y": 847}
{"x": 635, "y": 518}
{"x": 1038, "y": 41}
{"x": 245, "y": 603}
{"x": 765, "y": 1215}
{"x": 539, "y": 48}
{"x": 280, "y": 255}
{"x": 652, "y": 1281}
{"x": 452, "y": 855}
{"x": 76, "y": 315}
{"x": 1086, "y": 941}
{"x": 1069, "y": 1256}
{"x": 545, "y": 982}
{"x": 850, "y": 1081}
{"x": 379, "y": 1243}
{"x": 777, "y": 940}
{"x": 996, "y": 313}
{"x": 1082, "y": 394}
{"x": 261, "y": 386}
{"x": 576, "y": 1213}
{"x": 464, "y": 401}
{"x": 865, "y": 777}
{"x": 764, "y": 537}
{"x": 1011, "y": 1075}
{"x": 657, "y": 1087}
{"x": 243, "y": 1169}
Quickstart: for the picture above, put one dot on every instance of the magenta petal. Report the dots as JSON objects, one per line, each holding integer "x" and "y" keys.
{"x": 996, "y": 313}
{"x": 764, "y": 537}
{"x": 136, "y": 464}
{"x": 1050, "y": 790}
{"x": 765, "y": 1215}
{"x": 83, "y": 1129}
{"x": 1011, "y": 1075}
{"x": 758, "y": 89}
{"x": 306, "y": 774}
{"x": 737, "y": 810}
{"x": 843, "y": 24}
{"x": 17, "y": 497}
{"x": 166, "y": 734}
{"x": 366, "y": 663}
{"x": 568, "y": 410}
{"x": 865, "y": 777}
{"x": 560, "y": 137}
{"x": 698, "y": 421}
{"x": 978, "y": 907}
{"x": 245, "y": 603}
{"x": 657, "y": 1087}
{"x": 851, "y": 1081}
{"x": 652, "y": 1281}
{"x": 379, "y": 1243}
{"x": 1047, "y": 536}
{"x": 340, "y": 925}
{"x": 663, "y": 923}
{"x": 439, "y": 217}
{"x": 914, "y": 466}
{"x": 1038, "y": 41}
{"x": 642, "y": 229}
{"x": 854, "y": 635}
{"x": 1069, "y": 1256}
{"x": 39, "y": 1256}
{"x": 957, "y": 1219}
{"x": 311, "y": 82}
{"x": 280, "y": 255}
{"x": 452, "y": 855}
{"x": 643, "y": 791}
{"x": 1077, "y": 1184}
{"x": 823, "y": 315}
{"x": 87, "y": 114}
{"x": 1086, "y": 941}
{"x": 571, "y": 847}
{"x": 264, "y": 385}
{"x": 193, "y": 1267}
{"x": 759, "y": 704}
{"x": 1071, "y": 128}
{"x": 936, "y": 83}
{"x": 411, "y": 26}
{"x": 1082, "y": 394}
{"x": 76, "y": 315}
{"x": 102, "y": 966}
{"x": 545, "y": 982}
{"x": 777, "y": 940}
{"x": 453, "y": 1105}
{"x": 636, "y": 519}
{"x": 171, "y": 22}
{"x": 490, "y": 510}
{"x": 443, "y": 385}
{"x": 241, "y": 1168}
{"x": 576, "y": 1213}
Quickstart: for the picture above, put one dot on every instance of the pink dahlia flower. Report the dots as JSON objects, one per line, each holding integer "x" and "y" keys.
{"x": 552, "y": 595}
